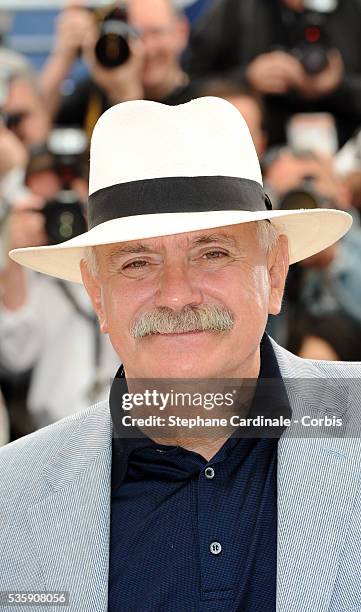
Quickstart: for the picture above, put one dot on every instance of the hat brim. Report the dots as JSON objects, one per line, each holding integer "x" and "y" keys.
{"x": 308, "y": 232}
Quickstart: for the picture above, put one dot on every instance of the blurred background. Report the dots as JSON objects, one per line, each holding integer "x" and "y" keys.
{"x": 291, "y": 67}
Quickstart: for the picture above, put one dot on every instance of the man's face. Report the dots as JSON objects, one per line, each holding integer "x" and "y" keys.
{"x": 224, "y": 268}
{"x": 164, "y": 36}
{"x": 25, "y": 106}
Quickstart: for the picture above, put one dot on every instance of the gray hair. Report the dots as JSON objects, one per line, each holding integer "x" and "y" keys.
{"x": 267, "y": 235}
{"x": 13, "y": 66}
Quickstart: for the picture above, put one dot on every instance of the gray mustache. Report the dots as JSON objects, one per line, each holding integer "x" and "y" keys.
{"x": 166, "y": 321}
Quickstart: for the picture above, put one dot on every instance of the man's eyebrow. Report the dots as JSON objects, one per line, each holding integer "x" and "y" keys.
{"x": 139, "y": 247}
{"x": 210, "y": 238}
{"x": 126, "y": 249}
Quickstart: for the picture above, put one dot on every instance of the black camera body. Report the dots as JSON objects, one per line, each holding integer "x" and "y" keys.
{"x": 313, "y": 46}
{"x": 64, "y": 217}
{"x": 112, "y": 47}
{"x": 304, "y": 196}
{"x": 63, "y": 154}
{"x": 307, "y": 34}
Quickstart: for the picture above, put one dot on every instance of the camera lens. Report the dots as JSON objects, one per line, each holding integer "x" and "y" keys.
{"x": 63, "y": 221}
{"x": 297, "y": 199}
{"x": 314, "y": 58}
{"x": 112, "y": 47}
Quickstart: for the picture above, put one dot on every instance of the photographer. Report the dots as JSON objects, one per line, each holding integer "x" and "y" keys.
{"x": 328, "y": 283}
{"x": 299, "y": 58}
{"x": 47, "y": 324}
{"x": 21, "y": 104}
{"x": 144, "y": 62}
{"x": 24, "y": 122}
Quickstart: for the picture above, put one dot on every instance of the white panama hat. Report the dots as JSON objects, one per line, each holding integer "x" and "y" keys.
{"x": 157, "y": 170}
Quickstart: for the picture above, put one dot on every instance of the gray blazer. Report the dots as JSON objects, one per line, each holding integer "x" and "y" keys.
{"x": 55, "y": 503}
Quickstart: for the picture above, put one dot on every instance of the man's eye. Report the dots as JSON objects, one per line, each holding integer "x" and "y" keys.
{"x": 214, "y": 255}
{"x": 133, "y": 265}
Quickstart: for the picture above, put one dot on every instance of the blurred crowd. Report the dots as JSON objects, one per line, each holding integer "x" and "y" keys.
{"x": 291, "y": 67}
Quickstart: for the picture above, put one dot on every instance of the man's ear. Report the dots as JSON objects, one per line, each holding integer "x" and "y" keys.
{"x": 93, "y": 288}
{"x": 277, "y": 270}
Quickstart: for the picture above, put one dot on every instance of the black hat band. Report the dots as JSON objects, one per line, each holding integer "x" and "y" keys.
{"x": 176, "y": 195}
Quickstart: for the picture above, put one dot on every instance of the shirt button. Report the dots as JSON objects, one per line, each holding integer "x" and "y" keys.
{"x": 209, "y": 473}
{"x": 215, "y": 548}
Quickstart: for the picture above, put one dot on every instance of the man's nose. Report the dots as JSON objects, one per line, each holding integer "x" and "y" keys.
{"x": 176, "y": 289}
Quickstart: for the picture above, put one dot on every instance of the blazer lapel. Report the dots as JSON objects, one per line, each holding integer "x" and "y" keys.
{"x": 70, "y": 526}
{"x": 317, "y": 483}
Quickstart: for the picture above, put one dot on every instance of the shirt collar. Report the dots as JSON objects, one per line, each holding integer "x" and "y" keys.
{"x": 124, "y": 444}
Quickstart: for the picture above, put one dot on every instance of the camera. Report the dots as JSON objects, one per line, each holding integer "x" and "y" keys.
{"x": 313, "y": 47}
{"x": 304, "y": 196}
{"x": 63, "y": 154}
{"x": 307, "y": 30}
{"x": 112, "y": 47}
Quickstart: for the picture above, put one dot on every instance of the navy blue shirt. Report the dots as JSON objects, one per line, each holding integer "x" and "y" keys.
{"x": 191, "y": 535}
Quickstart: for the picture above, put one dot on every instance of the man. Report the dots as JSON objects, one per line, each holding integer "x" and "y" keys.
{"x": 26, "y": 298}
{"x": 260, "y": 42}
{"x": 24, "y": 121}
{"x": 328, "y": 281}
{"x": 23, "y": 106}
{"x": 153, "y": 70}
{"x": 182, "y": 279}
{"x": 71, "y": 363}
